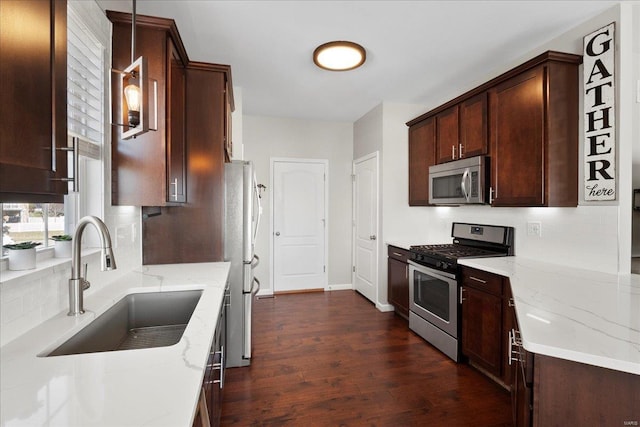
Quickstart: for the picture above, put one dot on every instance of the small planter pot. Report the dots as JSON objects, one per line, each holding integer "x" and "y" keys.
{"x": 62, "y": 249}
{"x": 22, "y": 259}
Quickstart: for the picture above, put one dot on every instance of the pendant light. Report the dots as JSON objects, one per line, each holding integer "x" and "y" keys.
{"x": 134, "y": 91}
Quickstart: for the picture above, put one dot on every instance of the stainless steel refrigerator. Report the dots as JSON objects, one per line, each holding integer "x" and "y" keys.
{"x": 242, "y": 218}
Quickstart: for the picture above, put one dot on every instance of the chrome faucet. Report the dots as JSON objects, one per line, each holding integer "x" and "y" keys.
{"x": 78, "y": 282}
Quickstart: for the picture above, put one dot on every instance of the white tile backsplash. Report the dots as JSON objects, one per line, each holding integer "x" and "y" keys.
{"x": 32, "y": 298}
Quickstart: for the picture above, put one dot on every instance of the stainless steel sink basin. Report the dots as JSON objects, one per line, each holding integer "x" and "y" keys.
{"x": 142, "y": 320}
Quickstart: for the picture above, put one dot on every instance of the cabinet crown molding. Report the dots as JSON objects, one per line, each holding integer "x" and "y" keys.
{"x": 548, "y": 56}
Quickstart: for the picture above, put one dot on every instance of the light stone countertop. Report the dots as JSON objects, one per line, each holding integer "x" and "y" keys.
{"x": 574, "y": 314}
{"x": 149, "y": 387}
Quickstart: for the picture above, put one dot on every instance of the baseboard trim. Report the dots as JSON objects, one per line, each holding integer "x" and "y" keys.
{"x": 299, "y": 291}
{"x": 384, "y": 307}
{"x": 339, "y": 287}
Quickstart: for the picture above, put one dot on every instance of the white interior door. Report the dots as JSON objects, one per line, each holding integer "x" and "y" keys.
{"x": 299, "y": 221}
{"x": 365, "y": 224}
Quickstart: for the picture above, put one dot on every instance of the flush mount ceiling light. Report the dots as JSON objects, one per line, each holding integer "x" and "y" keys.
{"x": 339, "y": 56}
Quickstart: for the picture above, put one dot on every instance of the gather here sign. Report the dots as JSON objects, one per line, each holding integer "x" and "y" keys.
{"x": 599, "y": 115}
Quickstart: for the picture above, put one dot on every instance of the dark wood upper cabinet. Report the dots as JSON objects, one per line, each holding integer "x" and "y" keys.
{"x": 517, "y": 111}
{"x": 474, "y": 132}
{"x": 33, "y": 100}
{"x": 150, "y": 169}
{"x": 534, "y": 136}
{"x": 461, "y": 130}
{"x": 447, "y": 134}
{"x": 165, "y": 238}
{"x": 422, "y": 154}
{"x": 526, "y": 119}
{"x": 176, "y": 148}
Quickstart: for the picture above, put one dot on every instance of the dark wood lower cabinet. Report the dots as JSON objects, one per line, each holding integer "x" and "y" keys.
{"x": 482, "y": 335}
{"x": 584, "y": 395}
{"x": 545, "y": 391}
{"x": 210, "y": 404}
{"x": 482, "y": 322}
{"x": 398, "y": 280}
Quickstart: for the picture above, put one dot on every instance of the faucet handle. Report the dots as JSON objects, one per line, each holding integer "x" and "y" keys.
{"x": 83, "y": 280}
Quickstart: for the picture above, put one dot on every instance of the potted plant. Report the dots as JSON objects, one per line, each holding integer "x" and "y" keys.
{"x": 22, "y": 256}
{"x": 62, "y": 246}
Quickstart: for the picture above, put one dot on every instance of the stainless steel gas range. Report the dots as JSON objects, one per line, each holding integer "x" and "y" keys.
{"x": 433, "y": 280}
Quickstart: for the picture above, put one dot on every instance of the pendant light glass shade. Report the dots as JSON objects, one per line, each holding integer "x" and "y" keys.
{"x": 133, "y": 97}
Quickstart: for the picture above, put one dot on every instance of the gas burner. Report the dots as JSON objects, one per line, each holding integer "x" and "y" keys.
{"x": 453, "y": 251}
{"x": 470, "y": 241}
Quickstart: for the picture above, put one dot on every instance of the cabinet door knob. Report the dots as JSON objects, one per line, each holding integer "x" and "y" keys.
{"x": 277, "y": 233}
{"x": 372, "y": 237}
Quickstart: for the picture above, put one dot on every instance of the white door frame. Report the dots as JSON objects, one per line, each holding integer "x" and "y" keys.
{"x": 376, "y": 155}
{"x": 324, "y": 162}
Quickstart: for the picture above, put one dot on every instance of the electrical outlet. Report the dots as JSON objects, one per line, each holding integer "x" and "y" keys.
{"x": 534, "y": 228}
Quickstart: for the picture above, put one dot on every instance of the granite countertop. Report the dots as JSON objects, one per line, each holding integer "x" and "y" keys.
{"x": 574, "y": 314}
{"x": 150, "y": 387}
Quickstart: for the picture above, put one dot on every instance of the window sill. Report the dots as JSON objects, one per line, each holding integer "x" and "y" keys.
{"x": 45, "y": 265}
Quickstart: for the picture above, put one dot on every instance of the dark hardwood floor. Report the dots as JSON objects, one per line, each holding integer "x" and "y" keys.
{"x": 333, "y": 359}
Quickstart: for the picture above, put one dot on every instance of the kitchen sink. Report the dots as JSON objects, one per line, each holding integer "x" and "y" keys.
{"x": 140, "y": 320}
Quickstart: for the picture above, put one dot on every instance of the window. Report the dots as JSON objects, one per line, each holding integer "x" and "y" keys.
{"x": 86, "y": 54}
{"x": 22, "y": 222}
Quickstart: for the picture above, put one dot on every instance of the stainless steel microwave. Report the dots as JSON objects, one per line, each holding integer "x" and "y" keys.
{"x": 461, "y": 182}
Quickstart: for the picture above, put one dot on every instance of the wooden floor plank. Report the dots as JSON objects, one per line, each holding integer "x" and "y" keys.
{"x": 332, "y": 359}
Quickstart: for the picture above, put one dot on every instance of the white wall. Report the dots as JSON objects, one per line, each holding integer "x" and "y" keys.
{"x": 268, "y": 137}
{"x": 589, "y": 236}
{"x": 367, "y": 133}
{"x": 383, "y": 129}
{"x": 635, "y": 249}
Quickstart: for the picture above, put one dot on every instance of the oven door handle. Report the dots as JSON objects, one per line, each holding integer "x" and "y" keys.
{"x": 430, "y": 271}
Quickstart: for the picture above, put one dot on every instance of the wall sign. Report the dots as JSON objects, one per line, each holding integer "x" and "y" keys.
{"x": 599, "y": 115}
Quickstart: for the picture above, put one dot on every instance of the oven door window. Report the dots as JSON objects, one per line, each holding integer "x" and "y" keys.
{"x": 447, "y": 187}
{"x": 432, "y": 294}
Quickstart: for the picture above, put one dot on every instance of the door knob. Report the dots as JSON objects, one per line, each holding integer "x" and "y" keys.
{"x": 277, "y": 233}
{"x": 372, "y": 237}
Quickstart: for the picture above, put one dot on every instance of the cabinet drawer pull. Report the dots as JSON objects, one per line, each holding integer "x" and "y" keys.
{"x": 397, "y": 254}
{"x": 222, "y": 367}
{"x": 174, "y": 184}
{"x": 515, "y": 342}
{"x": 511, "y": 302}
{"x": 477, "y": 280}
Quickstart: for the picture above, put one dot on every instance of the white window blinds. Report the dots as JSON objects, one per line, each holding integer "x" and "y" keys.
{"x": 85, "y": 83}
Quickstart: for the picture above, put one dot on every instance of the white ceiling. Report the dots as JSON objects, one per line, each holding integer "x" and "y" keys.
{"x": 418, "y": 52}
